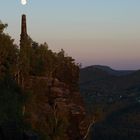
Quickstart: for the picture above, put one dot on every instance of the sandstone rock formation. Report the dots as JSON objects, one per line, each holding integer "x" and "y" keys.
{"x": 54, "y": 109}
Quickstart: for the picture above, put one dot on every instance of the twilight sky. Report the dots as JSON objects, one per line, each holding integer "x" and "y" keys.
{"x": 103, "y": 32}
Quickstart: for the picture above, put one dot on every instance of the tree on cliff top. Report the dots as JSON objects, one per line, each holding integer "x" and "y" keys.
{"x": 10, "y": 93}
{"x": 8, "y": 53}
{"x": 33, "y": 61}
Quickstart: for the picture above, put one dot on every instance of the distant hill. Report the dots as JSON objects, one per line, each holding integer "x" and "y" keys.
{"x": 101, "y": 83}
{"x": 110, "y": 71}
{"x": 116, "y": 93}
{"x": 97, "y": 72}
{"x": 97, "y": 76}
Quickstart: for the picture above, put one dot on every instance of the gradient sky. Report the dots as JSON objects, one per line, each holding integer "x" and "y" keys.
{"x": 103, "y": 32}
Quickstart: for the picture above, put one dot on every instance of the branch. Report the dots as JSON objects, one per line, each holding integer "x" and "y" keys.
{"x": 88, "y": 130}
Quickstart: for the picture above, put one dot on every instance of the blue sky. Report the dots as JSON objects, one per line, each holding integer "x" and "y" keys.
{"x": 103, "y": 32}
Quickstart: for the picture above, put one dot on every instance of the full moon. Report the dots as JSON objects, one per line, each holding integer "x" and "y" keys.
{"x": 24, "y": 2}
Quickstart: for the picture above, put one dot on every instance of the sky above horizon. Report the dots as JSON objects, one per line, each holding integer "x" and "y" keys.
{"x": 105, "y": 32}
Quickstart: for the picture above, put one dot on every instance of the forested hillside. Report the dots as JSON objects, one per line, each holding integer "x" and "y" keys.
{"x": 116, "y": 96}
{"x": 39, "y": 93}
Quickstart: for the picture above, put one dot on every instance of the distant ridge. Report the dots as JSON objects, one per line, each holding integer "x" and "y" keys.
{"x": 109, "y": 70}
{"x": 116, "y": 93}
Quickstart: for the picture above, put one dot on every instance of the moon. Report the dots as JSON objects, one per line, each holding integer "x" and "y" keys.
{"x": 23, "y": 2}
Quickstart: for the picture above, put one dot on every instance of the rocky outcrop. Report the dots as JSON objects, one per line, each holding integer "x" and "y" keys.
{"x": 53, "y": 109}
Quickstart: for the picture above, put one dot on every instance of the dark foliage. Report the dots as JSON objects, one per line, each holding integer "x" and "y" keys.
{"x": 17, "y": 69}
{"x": 117, "y": 95}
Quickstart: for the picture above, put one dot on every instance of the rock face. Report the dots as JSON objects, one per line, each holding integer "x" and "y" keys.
{"x": 23, "y": 27}
{"x": 53, "y": 109}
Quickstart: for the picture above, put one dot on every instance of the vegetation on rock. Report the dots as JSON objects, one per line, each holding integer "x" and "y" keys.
{"x": 38, "y": 91}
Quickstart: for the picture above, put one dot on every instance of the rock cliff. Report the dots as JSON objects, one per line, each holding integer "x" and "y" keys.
{"x": 54, "y": 109}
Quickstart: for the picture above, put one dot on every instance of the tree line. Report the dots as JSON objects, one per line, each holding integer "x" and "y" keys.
{"x": 34, "y": 59}
{"x": 18, "y": 64}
